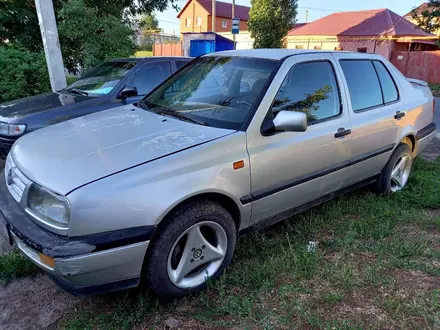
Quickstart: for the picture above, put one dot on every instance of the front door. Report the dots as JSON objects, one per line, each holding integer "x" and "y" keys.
{"x": 289, "y": 169}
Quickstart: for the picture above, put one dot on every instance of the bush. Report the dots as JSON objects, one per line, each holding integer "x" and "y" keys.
{"x": 22, "y": 74}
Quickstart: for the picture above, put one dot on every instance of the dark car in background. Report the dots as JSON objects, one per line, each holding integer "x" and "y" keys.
{"x": 111, "y": 84}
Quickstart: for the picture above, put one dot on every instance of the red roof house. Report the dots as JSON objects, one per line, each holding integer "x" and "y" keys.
{"x": 196, "y": 16}
{"x": 419, "y": 11}
{"x": 374, "y": 31}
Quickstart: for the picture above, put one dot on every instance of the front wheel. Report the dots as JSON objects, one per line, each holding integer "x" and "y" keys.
{"x": 395, "y": 175}
{"x": 195, "y": 243}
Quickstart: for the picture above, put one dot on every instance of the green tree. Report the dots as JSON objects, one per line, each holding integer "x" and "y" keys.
{"x": 19, "y": 22}
{"x": 22, "y": 73}
{"x": 429, "y": 19}
{"x": 149, "y": 23}
{"x": 270, "y": 21}
{"x": 89, "y": 37}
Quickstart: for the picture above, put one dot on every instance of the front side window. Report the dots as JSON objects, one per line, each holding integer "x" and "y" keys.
{"x": 224, "y": 24}
{"x": 310, "y": 88}
{"x": 188, "y": 22}
{"x": 363, "y": 84}
{"x": 389, "y": 89}
{"x": 149, "y": 76}
{"x": 216, "y": 91}
{"x": 199, "y": 21}
{"x": 102, "y": 79}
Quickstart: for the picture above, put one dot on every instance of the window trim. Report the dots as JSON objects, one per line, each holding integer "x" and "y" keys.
{"x": 319, "y": 121}
{"x": 380, "y": 84}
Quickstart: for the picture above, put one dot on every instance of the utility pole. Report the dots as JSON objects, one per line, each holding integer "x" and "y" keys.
{"x": 52, "y": 49}
{"x": 233, "y": 16}
{"x": 213, "y": 16}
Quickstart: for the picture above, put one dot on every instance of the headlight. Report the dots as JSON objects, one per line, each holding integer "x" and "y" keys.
{"x": 49, "y": 208}
{"x": 11, "y": 129}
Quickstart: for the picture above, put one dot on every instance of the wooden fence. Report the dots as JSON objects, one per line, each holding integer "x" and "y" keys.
{"x": 167, "y": 49}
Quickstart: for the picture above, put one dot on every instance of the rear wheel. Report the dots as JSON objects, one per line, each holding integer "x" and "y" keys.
{"x": 395, "y": 175}
{"x": 195, "y": 243}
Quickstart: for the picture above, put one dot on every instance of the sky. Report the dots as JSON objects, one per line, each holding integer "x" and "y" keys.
{"x": 316, "y": 9}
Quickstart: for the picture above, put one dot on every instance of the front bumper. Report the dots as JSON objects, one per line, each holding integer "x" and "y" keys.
{"x": 5, "y": 146}
{"x": 80, "y": 265}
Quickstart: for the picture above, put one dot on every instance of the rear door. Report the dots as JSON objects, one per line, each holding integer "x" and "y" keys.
{"x": 374, "y": 112}
{"x": 289, "y": 169}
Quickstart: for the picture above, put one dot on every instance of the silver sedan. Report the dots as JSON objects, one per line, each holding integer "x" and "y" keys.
{"x": 231, "y": 143}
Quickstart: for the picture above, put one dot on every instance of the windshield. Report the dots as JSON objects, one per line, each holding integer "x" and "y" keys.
{"x": 217, "y": 91}
{"x": 102, "y": 79}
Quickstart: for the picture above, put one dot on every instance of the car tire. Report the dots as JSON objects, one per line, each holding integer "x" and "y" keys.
{"x": 395, "y": 174}
{"x": 198, "y": 237}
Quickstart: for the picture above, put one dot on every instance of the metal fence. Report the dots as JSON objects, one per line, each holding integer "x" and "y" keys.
{"x": 424, "y": 65}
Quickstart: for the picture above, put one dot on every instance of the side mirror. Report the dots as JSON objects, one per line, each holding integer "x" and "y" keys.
{"x": 128, "y": 91}
{"x": 290, "y": 121}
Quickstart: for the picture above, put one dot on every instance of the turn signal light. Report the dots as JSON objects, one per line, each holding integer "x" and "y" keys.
{"x": 238, "y": 165}
{"x": 48, "y": 261}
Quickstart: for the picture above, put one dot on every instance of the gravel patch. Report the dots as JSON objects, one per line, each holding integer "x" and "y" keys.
{"x": 34, "y": 303}
{"x": 433, "y": 150}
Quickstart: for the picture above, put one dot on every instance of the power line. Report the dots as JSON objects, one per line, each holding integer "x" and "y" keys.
{"x": 321, "y": 9}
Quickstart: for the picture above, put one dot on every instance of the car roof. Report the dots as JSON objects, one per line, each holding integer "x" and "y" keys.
{"x": 150, "y": 58}
{"x": 278, "y": 54}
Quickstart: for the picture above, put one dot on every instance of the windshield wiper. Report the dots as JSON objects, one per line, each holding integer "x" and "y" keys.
{"x": 77, "y": 91}
{"x": 180, "y": 115}
{"x": 168, "y": 112}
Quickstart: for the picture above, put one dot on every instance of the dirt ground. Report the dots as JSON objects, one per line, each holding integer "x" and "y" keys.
{"x": 36, "y": 302}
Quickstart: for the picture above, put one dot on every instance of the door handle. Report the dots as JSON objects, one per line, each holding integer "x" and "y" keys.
{"x": 342, "y": 132}
{"x": 399, "y": 115}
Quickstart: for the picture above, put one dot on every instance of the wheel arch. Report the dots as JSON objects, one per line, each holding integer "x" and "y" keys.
{"x": 410, "y": 140}
{"x": 217, "y": 197}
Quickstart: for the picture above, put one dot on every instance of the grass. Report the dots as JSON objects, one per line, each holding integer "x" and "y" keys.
{"x": 15, "y": 265}
{"x": 376, "y": 266}
{"x": 143, "y": 53}
{"x": 435, "y": 88}
{"x": 70, "y": 79}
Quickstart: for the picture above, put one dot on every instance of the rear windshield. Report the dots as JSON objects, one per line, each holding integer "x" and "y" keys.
{"x": 219, "y": 91}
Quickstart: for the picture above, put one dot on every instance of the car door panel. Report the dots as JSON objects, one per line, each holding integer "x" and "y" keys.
{"x": 374, "y": 129}
{"x": 289, "y": 169}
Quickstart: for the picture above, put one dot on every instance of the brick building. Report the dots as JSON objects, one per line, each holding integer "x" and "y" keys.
{"x": 196, "y": 16}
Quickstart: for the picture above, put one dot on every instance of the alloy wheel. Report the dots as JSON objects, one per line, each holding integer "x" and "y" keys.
{"x": 197, "y": 254}
{"x": 400, "y": 172}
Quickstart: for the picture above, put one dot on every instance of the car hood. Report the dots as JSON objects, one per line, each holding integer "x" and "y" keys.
{"x": 27, "y": 106}
{"x": 71, "y": 154}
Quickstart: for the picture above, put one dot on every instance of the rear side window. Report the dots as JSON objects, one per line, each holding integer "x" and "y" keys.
{"x": 363, "y": 84}
{"x": 389, "y": 89}
{"x": 180, "y": 64}
{"x": 310, "y": 88}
